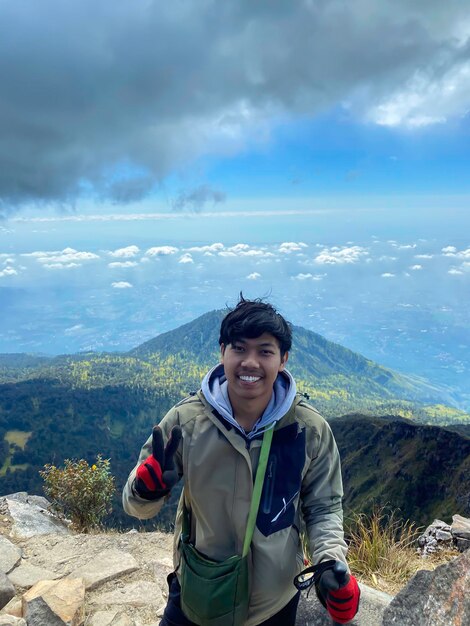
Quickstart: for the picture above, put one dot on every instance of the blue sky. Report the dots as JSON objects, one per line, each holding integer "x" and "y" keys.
{"x": 340, "y": 128}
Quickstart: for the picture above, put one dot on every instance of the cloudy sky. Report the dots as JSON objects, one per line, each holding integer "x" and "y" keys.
{"x": 157, "y": 157}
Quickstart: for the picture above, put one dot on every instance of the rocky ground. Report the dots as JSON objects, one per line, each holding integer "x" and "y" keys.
{"x": 120, "y": 579}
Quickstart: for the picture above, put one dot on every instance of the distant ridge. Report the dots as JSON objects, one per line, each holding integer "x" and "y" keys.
{"x": 313, "y": 357}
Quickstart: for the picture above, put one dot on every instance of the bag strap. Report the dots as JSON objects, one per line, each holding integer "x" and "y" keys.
{"x": 255, "y": 500}
{"x": 258, "y": 488}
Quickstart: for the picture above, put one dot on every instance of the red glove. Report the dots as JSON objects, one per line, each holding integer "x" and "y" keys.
{"x": 157, "y": 475}
{"x": 340, "y": 593}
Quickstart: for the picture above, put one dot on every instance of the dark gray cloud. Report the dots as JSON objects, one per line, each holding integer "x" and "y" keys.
{"x": 195, "y": 199}
{"x": 90, "y": 88}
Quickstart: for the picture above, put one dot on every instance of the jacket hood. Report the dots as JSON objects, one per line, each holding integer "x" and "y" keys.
{"x": 215, "y": 389}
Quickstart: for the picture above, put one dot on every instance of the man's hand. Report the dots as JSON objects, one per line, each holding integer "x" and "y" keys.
{"x": 340, "y": 593}
{"x": 157, "y": 475}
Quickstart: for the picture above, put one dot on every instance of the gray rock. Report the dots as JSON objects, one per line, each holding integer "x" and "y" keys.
{"x": 371, "y": 608}
{"x": 443, "y": 535}
{"x": 438, "y": 598}
{"x": 29, "y": 519}
{"x": 105, "y": 566}
{"x": 23, "y": 496}
{"x": 460, "y": 527}
{"x": 462, "y": 544}
{"x": 9, "y": 555}
{"x": 26, "y": 575}
{"x": 7, "y": 591}
{"x": 135, "y": 594}
{"x": 101, "y": 618}
{"x": 122, "y": 620}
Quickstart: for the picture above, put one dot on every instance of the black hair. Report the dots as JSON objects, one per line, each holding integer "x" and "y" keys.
{"x": 250, "y": 319}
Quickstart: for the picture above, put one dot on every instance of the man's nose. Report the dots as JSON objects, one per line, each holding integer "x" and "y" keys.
{"x": 250, "y": 359}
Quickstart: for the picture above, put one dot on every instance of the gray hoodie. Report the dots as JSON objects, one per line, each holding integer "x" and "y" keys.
{"x": 215, "y": 389}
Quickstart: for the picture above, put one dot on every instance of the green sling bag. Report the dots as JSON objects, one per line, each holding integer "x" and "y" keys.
{"x": 217, "y": 593}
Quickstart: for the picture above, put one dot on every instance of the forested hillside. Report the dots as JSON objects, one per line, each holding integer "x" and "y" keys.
{"x": 76, "y": 406}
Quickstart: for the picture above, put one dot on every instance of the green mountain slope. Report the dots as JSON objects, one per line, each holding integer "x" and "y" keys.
{"x": 422, "y": 470}
{"x": 336, "y": 379}
{"x": 74, "y": 406}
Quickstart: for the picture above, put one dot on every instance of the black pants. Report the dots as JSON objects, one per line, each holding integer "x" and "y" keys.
{"x": 174, "y": 616}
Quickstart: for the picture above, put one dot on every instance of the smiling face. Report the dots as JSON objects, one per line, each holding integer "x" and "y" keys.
{"x": 251, "y": 367}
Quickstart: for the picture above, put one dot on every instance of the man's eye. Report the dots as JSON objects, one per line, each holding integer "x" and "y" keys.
{"x": 267, "y": 352}
{"x": 237, "y": 348}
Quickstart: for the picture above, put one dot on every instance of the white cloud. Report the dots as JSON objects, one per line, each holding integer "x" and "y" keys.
{"x": 161, "y": 251}
{"x": 254, "y": 276}
{"x": 60, "y": 266}
{"x": 428, "y": 97}
{"x": 292, "y": 246}
{"x": 339, "y": 256}
{"x": 388, "y": 275}
{"x": 67, "y": 256}
{"x": 239, "y": 247}
{"x": 126, "y": 253}
{"x": 227, "y": 253}
{"x": 416, "y": 267}
{"x": 309, "y": 276}
{"x": 8, "y": 271}
{"x": 424, "y": 256}
{"x": 72, "y": 330}
{"x": 455, "y": 272}
{"x": 121, "y": 285}
{"x": 123, "y": 264}
{"x": 256, "y": 253}
{"x": 464, "y": 254}
{"x": 213, "y": 247}
{"x": 402, "y": 246}
{"x": 449, "y": 250}
{"x": 186, "y": 258}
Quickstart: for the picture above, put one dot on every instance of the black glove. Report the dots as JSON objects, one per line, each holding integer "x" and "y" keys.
{"x": 157, "y": 475}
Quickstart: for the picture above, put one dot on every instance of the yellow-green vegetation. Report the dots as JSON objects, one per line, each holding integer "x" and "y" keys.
{"x": 18, "y": 439}
{"x": 383, "y": 550}
{"x": 80, "y": 492}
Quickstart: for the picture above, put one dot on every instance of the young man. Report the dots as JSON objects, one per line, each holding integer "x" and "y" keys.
{"x": 213, "y": 440}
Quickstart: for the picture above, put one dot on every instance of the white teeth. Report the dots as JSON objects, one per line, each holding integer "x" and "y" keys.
{"x": 250, "y": 379}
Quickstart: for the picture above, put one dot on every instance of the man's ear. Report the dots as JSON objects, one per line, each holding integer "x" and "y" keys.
{"x": 283, "y": 361}
{"x": 222, "y": 352}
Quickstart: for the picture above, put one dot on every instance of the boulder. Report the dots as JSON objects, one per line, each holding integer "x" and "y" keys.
{"x": 7, "y": 591}
{"x": 461, "y": 526}
{"x": 55, "y": 603}
{"x": 105, "y": 566}
{"x": 26, "y": 575}
{"x": 434, "y": 598}
{"x": 31, "y": 516}
{"x": 461, "y": 532}
{"x": 9, "y": 555}
{"x": 135, "y": 594}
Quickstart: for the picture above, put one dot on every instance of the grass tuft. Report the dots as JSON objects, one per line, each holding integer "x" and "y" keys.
{"x": 382, "y": 550}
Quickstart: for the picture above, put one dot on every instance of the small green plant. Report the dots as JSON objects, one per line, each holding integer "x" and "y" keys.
{"x": 79, "y": 491}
